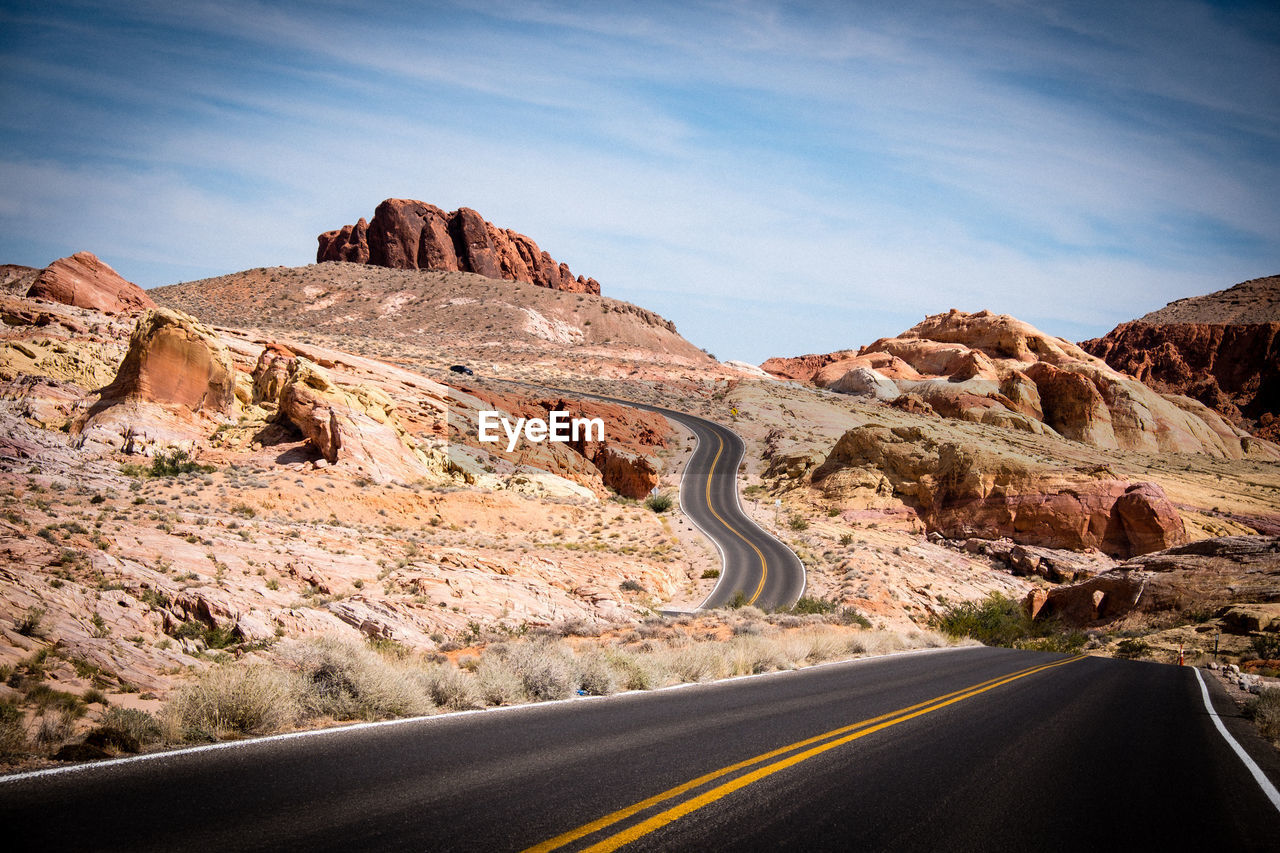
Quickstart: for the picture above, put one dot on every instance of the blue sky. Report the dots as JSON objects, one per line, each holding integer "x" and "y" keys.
{"x": 778, "y": 178}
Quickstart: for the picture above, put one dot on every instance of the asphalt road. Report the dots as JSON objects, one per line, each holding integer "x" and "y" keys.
{"x": 971, "y": 749}
{"x": 754, "y": 564}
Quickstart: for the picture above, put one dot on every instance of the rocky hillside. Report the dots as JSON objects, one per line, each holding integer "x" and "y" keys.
{"x": 452, "y": 316}
{"x": 996, "y": 370}
{"x": 408, "y": 234}
{"x": 1222, "y": 349}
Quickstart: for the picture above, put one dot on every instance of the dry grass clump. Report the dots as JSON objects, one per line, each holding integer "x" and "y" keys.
{"x": 13, "y": 733}
{"x": 236, "y": 700}
{"x": 346, "y": 679}
{"x": 339, "y": 678}
{"x": 1265, "y": 713}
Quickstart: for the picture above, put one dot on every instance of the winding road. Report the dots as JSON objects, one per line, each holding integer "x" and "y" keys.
{"x": 965, "y": 749}
{"x": 756, "y": 567}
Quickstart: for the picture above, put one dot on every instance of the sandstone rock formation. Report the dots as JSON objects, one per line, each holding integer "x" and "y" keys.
{"x": 175, "y": 376}
{"x": 87, "y": 282}
{"x": 1203, "y": 576}
{"x": 408, "y": 234}
{"x": 995, "y": 370}
{"x": 356, "y": 426}
{"x": 962, "y": 492}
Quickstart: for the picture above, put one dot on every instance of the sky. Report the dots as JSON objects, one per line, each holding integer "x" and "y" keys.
{"x": 777, "y": 178}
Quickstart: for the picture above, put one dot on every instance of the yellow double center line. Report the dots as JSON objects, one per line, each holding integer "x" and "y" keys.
{"x": 764, "y": 566}
{"x": 794, "y": 753}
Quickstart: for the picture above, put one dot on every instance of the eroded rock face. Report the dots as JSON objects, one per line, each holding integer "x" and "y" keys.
{"x": 961, "y": 492}
{"x": 173, "y": 359}
{"x": 356, "y": 426}
{"x": 85, "y": 281}
{"x": 996, "y": 370}
{"x": 408, "y": 234}
{"x": 1205, "y": 575}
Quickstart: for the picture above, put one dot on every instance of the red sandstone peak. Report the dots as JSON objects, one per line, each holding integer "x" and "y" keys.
{"x": 409, "y": 234}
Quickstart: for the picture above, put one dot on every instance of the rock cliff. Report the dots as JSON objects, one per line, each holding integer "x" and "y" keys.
{"x": 408, "y": 234}
{"x": 1222, "y": 349}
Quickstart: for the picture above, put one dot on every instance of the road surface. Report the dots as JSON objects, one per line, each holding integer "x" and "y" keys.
{"x": 957, "y": 750}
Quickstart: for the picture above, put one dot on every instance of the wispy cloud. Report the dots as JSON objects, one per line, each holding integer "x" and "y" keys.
{"x": 853, "y": 166}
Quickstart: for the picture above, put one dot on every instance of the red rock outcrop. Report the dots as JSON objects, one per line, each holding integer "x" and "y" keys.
{"x": 86, "y": 282}
{"x": 962, "y": 492}
{"x": 1234, "y": 370}
{"x": 996, "y": 370}
{"x": 408, "y": 234}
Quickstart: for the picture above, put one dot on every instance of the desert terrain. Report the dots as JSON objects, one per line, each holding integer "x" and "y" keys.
{"x": 275, "y": 473}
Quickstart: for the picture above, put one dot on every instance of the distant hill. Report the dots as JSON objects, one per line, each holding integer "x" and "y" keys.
{"x": 1247, "y": 303}
{"x": 453, "y": 312}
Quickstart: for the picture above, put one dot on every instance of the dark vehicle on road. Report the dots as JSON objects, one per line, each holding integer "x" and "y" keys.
{"x": 463, "y": 369}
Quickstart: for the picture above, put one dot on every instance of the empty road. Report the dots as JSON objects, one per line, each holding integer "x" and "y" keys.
{"x": 957, "y": 750}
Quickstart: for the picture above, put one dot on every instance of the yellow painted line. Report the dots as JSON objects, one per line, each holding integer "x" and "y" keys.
{"x": 622, "y": 814}
{"x": 764, "y": 566}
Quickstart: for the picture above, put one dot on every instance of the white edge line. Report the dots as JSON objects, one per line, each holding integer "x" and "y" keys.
{"x": 331, "y": 730}
{"x": 1254, "y": 770}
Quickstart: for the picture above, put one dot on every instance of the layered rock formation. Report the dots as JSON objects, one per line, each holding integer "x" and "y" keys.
{"x": 408, "y": 234}
{"x": 1222, "y": 349}
{"x": 358, "y": 427}
{"x": 995, "y": 370}
{"x": 1203, "y": 576}
{"x": 87, "y": 282}
{"x": 962, "y": 492}
{"x": 175, "y": 377}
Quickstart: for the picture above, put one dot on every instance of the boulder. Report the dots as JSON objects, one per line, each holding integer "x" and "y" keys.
{"x": 86, "y": 281}
{"x": 866, "y": 382}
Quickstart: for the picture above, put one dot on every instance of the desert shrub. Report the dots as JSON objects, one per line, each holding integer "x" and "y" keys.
{"x": 171, "y": 463}
{"x": 345, "y": 679}
{"x": 497, "y": 682}
{"x": 660, "y": 502}
{"x": 1267, "y": 646}
{"x": 710, "y": 574}
{"x": 28, "y": 625}
{"x": 13, "y": 732}
{"x": 798, "y": 522}
{"x": 748, "y": 655}
{"x": 630, "y": 585}
{"x": 595, "y": 676}
{"x": 809, "y": 604}
{"x": 697, "y": 662}
{"x": 236, "y": 700}
{"x": 814, "y": 645}
{"x": 449, "y": 687}
{"x": 1130, "y": 648}
{"x": 1062, "y": 642}
{"x": 850, "y": 616}
{"x": 54, "y": 727}
{"x": 545, "y": 669}
{"x": 996, "y": 620}
{"x": 1264, "y": 710}
{"x": 139, "y": 724}
{"x": 635, "y": 672}
{"x": 212, "y": 636}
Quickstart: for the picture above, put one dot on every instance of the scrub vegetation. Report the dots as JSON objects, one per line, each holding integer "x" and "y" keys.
{"x": 998, "y": 620}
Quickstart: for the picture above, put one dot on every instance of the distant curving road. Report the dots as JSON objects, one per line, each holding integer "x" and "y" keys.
{"x": 970, "y": 749}
{"x": 756, "y": 568}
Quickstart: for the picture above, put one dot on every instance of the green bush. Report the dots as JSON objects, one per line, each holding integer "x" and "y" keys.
{"x": 139, "y": 724}
{"x": 710, "y": 574}
{"x": 1130, "y": 648}
{"x": 174, "y": 462}
{"x": 798, "y": 522}
{"x": 236, "y": 700}
{"x": 1267, "y": 646}
{"x": 808, "y": 604}
{"x": 659, "y": 503}
{"x": 29, "y": 624}
{"x": 996, "y": 620}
